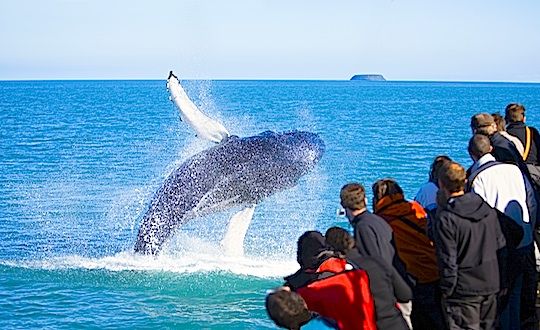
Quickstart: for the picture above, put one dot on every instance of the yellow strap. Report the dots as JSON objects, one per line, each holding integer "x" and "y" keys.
{"x": 527, "y": 143}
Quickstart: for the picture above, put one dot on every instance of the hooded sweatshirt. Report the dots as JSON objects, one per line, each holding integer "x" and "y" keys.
{"x": 468, "y": 237}
{"x": 312, "y": 250}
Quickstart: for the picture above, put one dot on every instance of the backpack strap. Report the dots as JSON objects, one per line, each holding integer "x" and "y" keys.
{"x": 527, "y": 143}
{"x": 478, "y": 171}
{"x": 403, "y": 218}
{"x": 413, "y": 225}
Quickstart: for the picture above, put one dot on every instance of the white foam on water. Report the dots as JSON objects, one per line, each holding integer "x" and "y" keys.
{"x": 195, "y": 256}
{"x": 193, "y": 263}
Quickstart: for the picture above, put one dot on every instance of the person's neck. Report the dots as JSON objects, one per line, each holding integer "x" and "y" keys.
{"x": 485, "y": 158}
{"x": 354, "y": 213}
{"x": 457, "y": 194}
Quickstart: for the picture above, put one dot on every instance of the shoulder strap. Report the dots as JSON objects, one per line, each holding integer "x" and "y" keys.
{"x": 527, "y": 142}
{"x": 478, "y": 171}
{"x": 412, "y": 225}
{"x": 404, "y": 219}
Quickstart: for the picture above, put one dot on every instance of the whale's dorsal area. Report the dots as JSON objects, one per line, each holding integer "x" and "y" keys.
{"x": 239, "y": 172}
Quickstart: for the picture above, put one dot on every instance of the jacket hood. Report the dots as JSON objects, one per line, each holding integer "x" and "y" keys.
{"x": 469, "y": 206}
{"x": 312, "y": 250}
{"x": 395, "y": 205}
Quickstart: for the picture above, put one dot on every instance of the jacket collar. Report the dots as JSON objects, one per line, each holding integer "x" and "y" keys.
{"x": 516, "y": 124}
{"x": 483, "y": 160}
{"x": 359, "y": 217}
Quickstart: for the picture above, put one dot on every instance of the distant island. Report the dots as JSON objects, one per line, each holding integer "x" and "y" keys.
{"x": 368, "y": 77}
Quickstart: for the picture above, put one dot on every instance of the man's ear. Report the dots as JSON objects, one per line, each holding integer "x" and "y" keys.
{"x": 490, "y": 149}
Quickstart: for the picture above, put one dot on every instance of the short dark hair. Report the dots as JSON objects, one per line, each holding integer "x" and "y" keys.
{"x": 339, "y": 239}
{"x": 353, "y": 196}
{"x": 452, "y": 175}
{"x": 482, "y": 123}
{"x": 287, "y": 309}
{"x": 479, "y": 145}
{"x": 499, "y": 121}
{"x": 438, "y": 162}
{"x": 385, "y": 187}
{"x": 514, "y": 112}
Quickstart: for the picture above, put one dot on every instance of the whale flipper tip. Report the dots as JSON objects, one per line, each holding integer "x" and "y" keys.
{"x": 171, "y": 74}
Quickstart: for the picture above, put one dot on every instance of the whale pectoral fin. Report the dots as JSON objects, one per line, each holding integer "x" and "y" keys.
{"x": 171, "y": 75}
{"x": 233, "y": 241}
{"x": 205, "y": 127}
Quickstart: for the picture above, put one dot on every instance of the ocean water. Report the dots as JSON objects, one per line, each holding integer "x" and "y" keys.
{"x": 80, "y": 161}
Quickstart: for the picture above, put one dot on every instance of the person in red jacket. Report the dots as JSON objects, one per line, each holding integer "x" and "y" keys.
{"x": 331, "y": 286}
{"x": 386, "y": 285}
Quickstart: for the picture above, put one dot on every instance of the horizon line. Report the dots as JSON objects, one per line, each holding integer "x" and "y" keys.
{"x": 274, "y": 79}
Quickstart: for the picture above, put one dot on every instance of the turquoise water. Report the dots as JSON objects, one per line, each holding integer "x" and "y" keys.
{"x": 80, "y": 160}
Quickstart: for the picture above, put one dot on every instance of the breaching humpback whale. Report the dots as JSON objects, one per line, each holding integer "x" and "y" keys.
{"x": 237, "y": 172}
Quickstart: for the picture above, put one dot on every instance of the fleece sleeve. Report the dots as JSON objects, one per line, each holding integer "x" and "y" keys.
{"x": 446, "y": 254}
{"x": 536, "y": 141}
{"x": 367, "y": 242}
{"x": 402, "y": 290}
{"x": 502, "y": 251}
{"x": 531, "y": 201}
{"x": 477, "y": 186}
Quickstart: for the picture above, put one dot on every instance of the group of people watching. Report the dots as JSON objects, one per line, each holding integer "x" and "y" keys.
{"x": 461, "y": 255}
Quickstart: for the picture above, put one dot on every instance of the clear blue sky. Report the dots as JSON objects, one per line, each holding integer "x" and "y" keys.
{"x": 480, "y": 40}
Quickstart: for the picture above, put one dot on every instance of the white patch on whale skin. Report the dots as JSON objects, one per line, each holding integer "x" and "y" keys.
{"x": 233, "y": 241}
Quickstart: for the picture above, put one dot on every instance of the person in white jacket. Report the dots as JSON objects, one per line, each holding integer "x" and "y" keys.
{"x": 504, "y": 187}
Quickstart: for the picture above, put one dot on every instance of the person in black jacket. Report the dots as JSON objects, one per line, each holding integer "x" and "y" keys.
{"x": 504, "y": 150}
{"x": 467, "y": 237}
{"x": 515, "y": 118}
{"x": 530, "y": 138}
{"x": 373, "y": 236}
{"x": 387, "y": 286}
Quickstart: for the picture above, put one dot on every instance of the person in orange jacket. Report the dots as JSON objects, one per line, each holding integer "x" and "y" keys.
{"x": 408, "y": 220}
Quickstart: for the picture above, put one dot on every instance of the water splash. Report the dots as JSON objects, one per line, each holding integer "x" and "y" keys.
{"x": 180, "y": 263}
